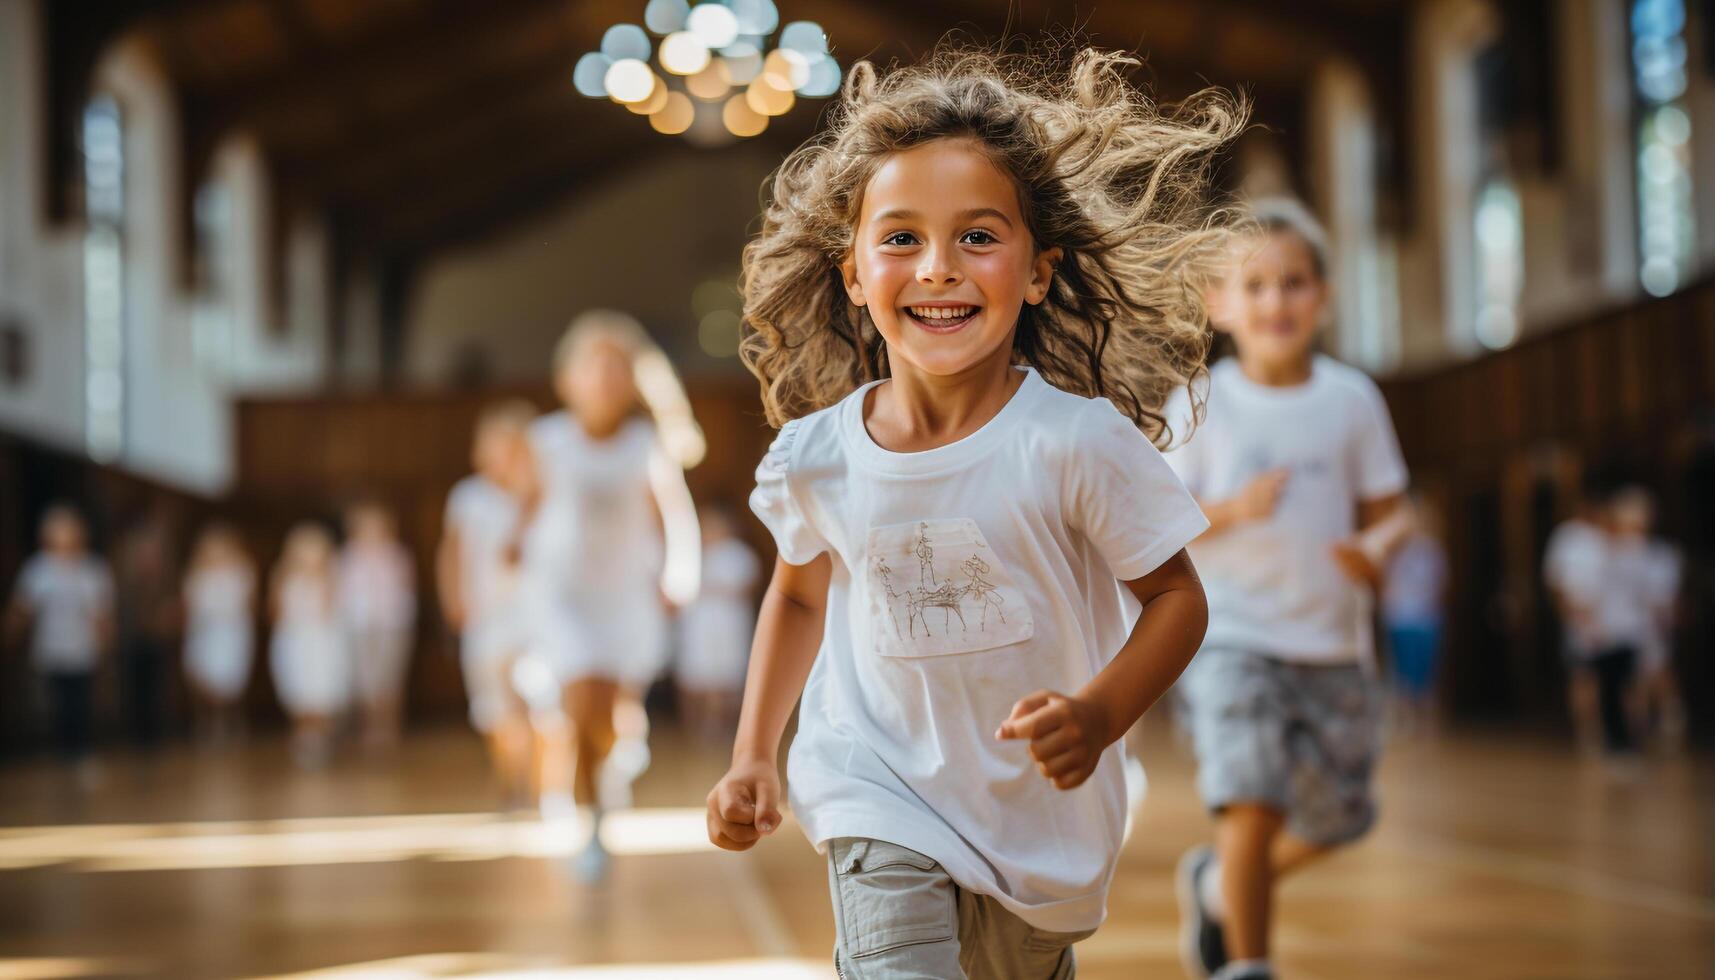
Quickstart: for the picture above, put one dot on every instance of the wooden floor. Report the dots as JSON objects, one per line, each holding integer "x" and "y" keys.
{"x": 1495, "y": 858}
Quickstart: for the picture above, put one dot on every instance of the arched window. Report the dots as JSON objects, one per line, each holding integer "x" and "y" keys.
{"x": 103, "y": 140}
{"x": 212, "y": 316}
{"x": 1497, "y": 216}
{"x": 1500, "y": 261}
{"x": 1667, "y": 233}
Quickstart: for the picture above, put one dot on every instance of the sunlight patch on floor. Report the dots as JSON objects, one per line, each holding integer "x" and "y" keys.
{"x": 344, "y": 840}
{"x": 501, "y": 967}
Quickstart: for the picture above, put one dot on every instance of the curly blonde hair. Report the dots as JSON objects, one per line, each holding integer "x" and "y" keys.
{"x": 1119, "y": 184}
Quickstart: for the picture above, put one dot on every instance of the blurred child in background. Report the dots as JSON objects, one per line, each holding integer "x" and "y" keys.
{"x": 311, "y": 666}
{"x": 378, "y": 604}
{"x": 1644, "y": 573}
{"x": 1299, "y": 472}
{"x": 1413, "y": 609}
{"x": 1574, "y": 564}
{"x": 612, "y": 538}
{"x": 64, "y": 600}
{"x": 477, "y": 573}
{"x": 220, "y": 601}
{"x": 715, "y": 631}
{"x": 150, "y": 618}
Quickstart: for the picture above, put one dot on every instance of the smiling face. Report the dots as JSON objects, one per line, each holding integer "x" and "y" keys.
{"x": 943, "y": 260}
{"x": 1273, "y": 301}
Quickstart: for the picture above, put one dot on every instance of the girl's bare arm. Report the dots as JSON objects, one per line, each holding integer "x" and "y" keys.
{"x": 744, "y": 805}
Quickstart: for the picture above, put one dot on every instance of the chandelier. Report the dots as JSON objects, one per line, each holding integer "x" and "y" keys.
{"x": 713, "y": 71}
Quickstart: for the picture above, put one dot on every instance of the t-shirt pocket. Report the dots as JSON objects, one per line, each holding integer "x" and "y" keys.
{"x": 936, "y": 587}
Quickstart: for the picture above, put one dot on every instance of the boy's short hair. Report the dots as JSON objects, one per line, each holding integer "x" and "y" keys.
{"x": 61, "y": 510}
{"x": 1285, "y": 214}
{"x": 513, "y": 414}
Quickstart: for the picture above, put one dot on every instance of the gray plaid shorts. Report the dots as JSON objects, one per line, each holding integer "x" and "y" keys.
{"x": 898, "y": 916}
{"x": 1302, "y": 738}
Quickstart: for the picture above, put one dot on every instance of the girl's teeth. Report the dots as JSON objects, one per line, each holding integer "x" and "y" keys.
{"x": 941, "y": 312}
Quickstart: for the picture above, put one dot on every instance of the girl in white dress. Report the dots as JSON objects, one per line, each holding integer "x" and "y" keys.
{"x": 378, "y": 604}
{"x": 220, "y": 599}
{"x": 312, "y": 670}
{"x": 715, "y": 630}
{"x": 612, "y": 537}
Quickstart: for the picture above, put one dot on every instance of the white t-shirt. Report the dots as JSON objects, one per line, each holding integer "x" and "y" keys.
{"x": 377, "y": 585}
{"x": 1574, "y": 564}
{"x": 485, "y": 517}
{"x": 1273, "y": 585}
{"x": 966, "y": 577}
{"x": 65, "y": 598}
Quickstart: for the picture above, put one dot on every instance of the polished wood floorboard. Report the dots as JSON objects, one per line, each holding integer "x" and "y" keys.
{"x": 1496, "y": 859}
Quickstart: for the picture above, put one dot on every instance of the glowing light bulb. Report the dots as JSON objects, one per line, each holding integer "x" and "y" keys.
{"x": 768, "y": 100}
{"x": 590, "y": 74}
{"x": 805, "y": 37}
{"x": 624, "y": 41}
{"x": 741, "y": 119}
{"x": 712, "y": 82}
{"x": 675, "y": 116}
{"x": 629, "y": 80}
{"x": 713, "y": 24}
{"x": 666, "y": 16}
{"x": 824, "y": 80}
{"x": 683, "y": 54}
{"x": 656, "y": 100}
{"x": 786, "y": 69}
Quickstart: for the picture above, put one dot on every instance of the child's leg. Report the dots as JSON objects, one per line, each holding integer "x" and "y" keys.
{"x": 1245, "y": 836}
{"x": 589, "y": 704}
{"x": 1581, "y": 701}
{"x": 1614, "y": 670}
{"x": 511, "y": 744}
{"x": 71, "y": 692}
{"x": 1239, "y": 710}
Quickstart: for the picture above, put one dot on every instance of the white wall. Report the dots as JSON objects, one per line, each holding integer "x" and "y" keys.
{"x": 178, "y": 401}
{"x": 640, "y": 242}
{"x": 1343, "y": 156}
{"x": 40, "y": 285}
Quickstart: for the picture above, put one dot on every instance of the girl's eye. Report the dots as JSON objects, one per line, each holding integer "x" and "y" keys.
{"x": 978, "y": 238}
{"x": 900, "y": 239}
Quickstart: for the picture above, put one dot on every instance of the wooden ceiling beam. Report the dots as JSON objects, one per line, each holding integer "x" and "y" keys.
{"x": 431, "y": 125}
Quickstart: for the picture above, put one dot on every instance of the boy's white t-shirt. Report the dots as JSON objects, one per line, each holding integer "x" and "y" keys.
{"x": 65, "y": 596}
{"x": 1273, "y": 585}
{"x": 966, "y": 577}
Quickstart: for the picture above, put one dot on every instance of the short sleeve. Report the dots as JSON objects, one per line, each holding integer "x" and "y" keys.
{"x": 32, "y": 582}
{"x": 1125, "y": 498}
{"x": 776, "y": 504}
{"x": 1380, "y": 464}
